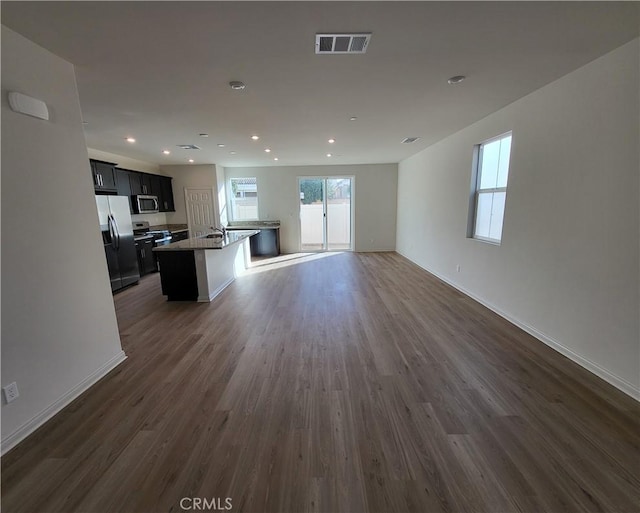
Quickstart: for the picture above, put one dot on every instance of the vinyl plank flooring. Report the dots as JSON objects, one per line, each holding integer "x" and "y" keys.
{"x": 335, "y": 383}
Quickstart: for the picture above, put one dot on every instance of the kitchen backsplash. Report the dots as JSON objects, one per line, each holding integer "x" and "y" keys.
{"x": 153, "y": 219}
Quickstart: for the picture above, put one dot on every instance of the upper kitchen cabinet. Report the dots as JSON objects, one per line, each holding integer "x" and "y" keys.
{"x": 135, "y": 183}
{"x": 151, "y": 184}
{"x": 145, "y": 183}
{"x": 124, "y": 186}
{"x": 104, "y": 176}
{"x": 166, "y": 195}
{"x": 125, "y": 182}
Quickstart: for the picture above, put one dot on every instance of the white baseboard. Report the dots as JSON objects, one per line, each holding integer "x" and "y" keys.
{"x": 612, "y": 379}
{"x": 30, "y": 426}
{"x": 215, "y": 293}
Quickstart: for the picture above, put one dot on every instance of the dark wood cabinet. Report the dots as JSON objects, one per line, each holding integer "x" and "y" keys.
{"x": 165, "y": 198}
{"x": 265, "y": 243}
{"x": 124, "y": 186}
{"x": 109, "y": 179}
{"x": 104, "y": 176}
{"x": 178, "y": 275}
{"x": 146, "y": 260}
{"x": 135, "y": 183}
{"x": 147, "y": 184}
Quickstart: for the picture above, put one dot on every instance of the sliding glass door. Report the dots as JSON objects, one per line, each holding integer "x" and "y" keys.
{"x": 325, "y": 213}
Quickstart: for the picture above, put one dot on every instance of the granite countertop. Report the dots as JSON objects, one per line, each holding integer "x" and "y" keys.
{"x": 253, "y": 225}
{"x": 205, "y": 243}
{"x": 173, "y": 228}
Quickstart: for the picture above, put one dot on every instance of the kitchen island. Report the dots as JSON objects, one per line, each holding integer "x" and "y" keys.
{"x": 200, "y": 268}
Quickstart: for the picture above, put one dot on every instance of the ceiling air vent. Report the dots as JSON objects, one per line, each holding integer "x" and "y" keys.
{"x": 409, "y": 140}
{"x": 188, "y": 146}
{"x": 342, "y": 43}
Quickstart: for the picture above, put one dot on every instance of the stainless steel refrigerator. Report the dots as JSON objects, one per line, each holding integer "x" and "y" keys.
{"x": 117, "y": 236}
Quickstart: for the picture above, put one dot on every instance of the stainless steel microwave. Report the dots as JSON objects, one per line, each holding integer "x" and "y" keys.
{"x": 144, "y": 204}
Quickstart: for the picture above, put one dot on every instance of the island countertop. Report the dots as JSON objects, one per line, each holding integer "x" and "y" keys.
{"x": 204, "y": 242}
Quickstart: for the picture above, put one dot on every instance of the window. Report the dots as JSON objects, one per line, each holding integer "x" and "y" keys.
{"x": 244, "y": 199}
{"x": 489, "y": 188}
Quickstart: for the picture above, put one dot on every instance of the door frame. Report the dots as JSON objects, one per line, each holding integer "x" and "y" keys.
{"x": 352, "y": 210}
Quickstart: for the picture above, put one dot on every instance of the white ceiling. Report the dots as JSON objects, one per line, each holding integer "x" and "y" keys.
{"x": 159, "y": 71}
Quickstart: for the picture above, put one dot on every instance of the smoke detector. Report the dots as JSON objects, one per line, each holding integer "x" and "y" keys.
{"x": 342, "y": 43}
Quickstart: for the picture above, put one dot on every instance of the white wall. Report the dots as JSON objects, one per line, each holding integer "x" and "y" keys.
{"x": 202, "y": 175}
{"x": 567, "y": 269}
{"x": 59, "y": 330}
{"x": 374, "y": 197}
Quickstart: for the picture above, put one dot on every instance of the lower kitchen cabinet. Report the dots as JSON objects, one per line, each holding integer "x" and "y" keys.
{"x": 146, "y": 260}
{"x": 178, "y": 275}
{"x": 265, "y": 243}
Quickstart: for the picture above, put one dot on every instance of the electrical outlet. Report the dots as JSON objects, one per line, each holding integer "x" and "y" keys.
{"x": 458, "y": 268}
{"x": 11, "y": 392}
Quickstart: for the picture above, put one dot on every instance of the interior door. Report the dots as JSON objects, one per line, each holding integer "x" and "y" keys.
{"x": 325, "y": 214}
{"x": 200, "y": 211}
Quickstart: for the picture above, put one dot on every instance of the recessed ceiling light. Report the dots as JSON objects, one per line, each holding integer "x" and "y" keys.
{"x": 331, "y": 141}
{"x": 220, "y": 145}
{"x": 352, "y": 118}
{"x": 456, "y": 80}
{"x": 131, "y": 140}
{"x": 236, "y": 85}
{"x": 191, "y": 161}
{"x": 203, "y": 135}
{"x": 255, "y": 137}
{"x": 268, "y": 150}
{"x": 232, "y": 153}
{"x": 329, "y": 155}
{"x": 166, "y": 152}
{"x": 275, "y": 158}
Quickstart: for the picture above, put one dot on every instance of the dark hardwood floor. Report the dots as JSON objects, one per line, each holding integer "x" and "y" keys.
{"x": 339, "y": 383}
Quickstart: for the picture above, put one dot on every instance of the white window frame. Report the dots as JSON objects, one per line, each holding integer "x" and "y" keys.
{"x": 232, "y": 198}
{"x": 476, "y": 191}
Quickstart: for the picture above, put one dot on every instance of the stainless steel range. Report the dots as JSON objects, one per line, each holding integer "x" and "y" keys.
{"x": 141, "y": 231}
{"x": 160, "y": 237}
